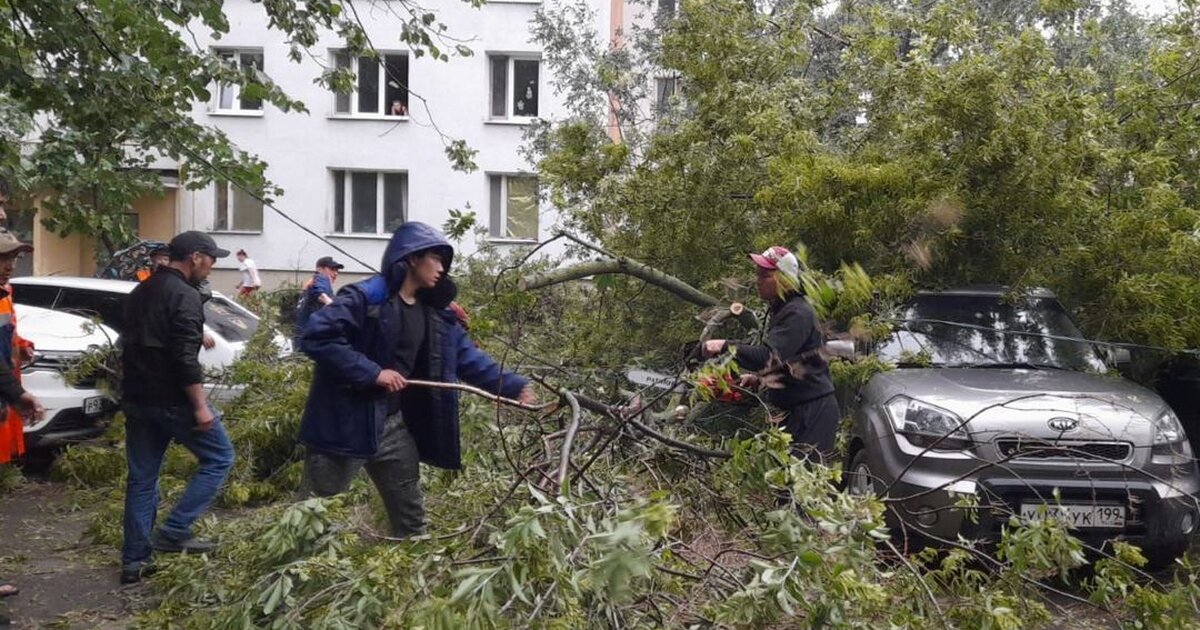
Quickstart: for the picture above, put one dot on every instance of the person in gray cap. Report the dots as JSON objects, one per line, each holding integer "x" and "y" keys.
{"x": 163, "y": 400}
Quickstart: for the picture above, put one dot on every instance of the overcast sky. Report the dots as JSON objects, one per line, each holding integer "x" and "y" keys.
{"x": 1156, "y": 6}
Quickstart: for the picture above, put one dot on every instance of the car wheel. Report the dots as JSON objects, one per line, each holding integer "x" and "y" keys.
{"x": 1160, "y": 557}
{"x": 860, "y": 481}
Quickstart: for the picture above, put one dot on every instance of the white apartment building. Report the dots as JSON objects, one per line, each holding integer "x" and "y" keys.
{"x": 356, "y": 165}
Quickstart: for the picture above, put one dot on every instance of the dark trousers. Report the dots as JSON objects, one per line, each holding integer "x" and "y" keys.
{"x": 813, "y": 426}
{"x": 148, "y": 431}
{"x": 395, "y": 469}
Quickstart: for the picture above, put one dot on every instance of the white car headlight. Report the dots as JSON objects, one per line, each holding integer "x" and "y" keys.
{"x": 926, "y": 425}
{"x": 1167, "y": 429}
{"x": 1170, "y": 442}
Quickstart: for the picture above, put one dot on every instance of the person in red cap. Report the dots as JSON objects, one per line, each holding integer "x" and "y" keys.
{"x": 792, "y": 346}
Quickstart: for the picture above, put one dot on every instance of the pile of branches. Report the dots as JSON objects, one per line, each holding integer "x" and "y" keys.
{"x": 603, "y": 508}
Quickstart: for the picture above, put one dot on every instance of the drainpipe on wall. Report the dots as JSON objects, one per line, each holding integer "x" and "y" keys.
{"x": 616, "y": 24}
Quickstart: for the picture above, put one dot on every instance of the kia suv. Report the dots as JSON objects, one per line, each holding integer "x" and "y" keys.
{"x": 998, "y": 408}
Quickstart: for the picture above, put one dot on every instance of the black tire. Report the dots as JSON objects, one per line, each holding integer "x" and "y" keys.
{"x": 1162, "y": 557}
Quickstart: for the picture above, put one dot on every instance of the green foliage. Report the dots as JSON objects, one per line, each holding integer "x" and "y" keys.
{"x": 90, "y": 467}
{"x": 943, "y": 144}
{"x": 10, "y": 479}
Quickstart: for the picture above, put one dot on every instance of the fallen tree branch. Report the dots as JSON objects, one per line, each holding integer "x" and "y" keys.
{"x": 564, "y": 462}
{"x": 680, "y": 444}
{"x": 622, "y": 264}
{"x": 484, "y": 393}
{"x": 628, "y": 416}
{"x": 737, "y": 309}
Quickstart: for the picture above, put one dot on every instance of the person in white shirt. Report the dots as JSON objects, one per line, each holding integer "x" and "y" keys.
{"x": 250, "y": 280}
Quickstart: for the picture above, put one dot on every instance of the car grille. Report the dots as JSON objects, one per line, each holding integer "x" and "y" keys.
{"x": 1017, "y": 448}
{"x": 61, "y": 366}
{"x": 70, "y": 420}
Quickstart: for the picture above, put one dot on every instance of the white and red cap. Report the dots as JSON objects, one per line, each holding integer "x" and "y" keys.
{"x": 778, "y": 259}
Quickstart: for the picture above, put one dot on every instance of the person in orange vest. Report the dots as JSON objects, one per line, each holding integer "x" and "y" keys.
{"x": 12, "y": 421}
{"x": 21, "y": 406}
{"x": 159, "y": 257}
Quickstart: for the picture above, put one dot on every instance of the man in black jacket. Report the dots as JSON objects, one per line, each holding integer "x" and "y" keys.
{"x": 163, "y": 400}
{"x": 793, "y": 349}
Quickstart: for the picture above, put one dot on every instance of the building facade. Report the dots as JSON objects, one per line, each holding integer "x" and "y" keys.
{"x": 358, "y": 164}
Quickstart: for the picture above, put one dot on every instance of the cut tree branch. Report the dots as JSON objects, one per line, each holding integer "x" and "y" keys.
{"x": 630, "y": 267}
{"x": 564, "y": 463}
{"x": 479, "y": 392}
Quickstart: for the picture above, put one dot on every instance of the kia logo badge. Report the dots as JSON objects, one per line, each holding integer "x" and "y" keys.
{"x": 1063, "y": 424}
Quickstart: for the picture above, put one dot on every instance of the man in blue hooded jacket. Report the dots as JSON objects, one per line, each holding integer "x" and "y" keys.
{"x": 376, "y": 335}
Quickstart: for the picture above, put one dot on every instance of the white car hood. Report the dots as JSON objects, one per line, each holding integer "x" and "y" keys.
{"x": 56, "y": 331}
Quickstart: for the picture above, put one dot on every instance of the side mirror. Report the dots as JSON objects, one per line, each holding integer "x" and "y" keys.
{"x": 843, "y": 348}
{"x": 1119, "y": 357}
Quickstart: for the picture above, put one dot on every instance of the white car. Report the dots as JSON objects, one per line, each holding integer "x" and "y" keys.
{"x": 73, "y": 412}
{"x": 228, "y": 323}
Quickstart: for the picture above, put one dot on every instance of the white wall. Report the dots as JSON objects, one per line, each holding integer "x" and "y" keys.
{"x": 301, "y": 148}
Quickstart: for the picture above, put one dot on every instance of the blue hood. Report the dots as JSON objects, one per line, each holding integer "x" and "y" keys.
{"x": 410, "y": 238}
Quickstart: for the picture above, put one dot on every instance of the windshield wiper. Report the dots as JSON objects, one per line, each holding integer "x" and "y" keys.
{"x": 1013, "y": 365}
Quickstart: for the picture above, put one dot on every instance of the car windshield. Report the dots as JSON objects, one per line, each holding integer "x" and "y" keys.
{"x": 989, "y": 331}
{"x": 228, "y": 320}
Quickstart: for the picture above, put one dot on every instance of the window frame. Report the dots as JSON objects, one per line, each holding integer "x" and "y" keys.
{"x": 237, "y": 109}
{"x": 230, "y": 209}
{"x": 512, "y": 57}
{"x": 505, "y": 176}
{"x": 346, "y": 229}
{"x": 382, "y": 78}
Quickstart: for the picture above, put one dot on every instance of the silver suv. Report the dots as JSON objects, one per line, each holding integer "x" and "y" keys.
{"x": 998, "y": 407}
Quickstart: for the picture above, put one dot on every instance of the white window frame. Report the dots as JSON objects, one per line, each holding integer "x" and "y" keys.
{"x": 383, "y": 85}
{"x": 504, "y": 177}
{"x": 348, "y": 202}
{"x": 509, "y": 116}
{"x": 229, "y": 211}
{"x": 236, "y": 109}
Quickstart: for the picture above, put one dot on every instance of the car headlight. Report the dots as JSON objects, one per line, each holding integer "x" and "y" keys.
{"x": 927, "y": 426}
{"x": 1167, "y": 429}
{"x": 1170, "y": 442}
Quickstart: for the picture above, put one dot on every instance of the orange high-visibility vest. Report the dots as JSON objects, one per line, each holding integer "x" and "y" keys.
{"x": 12, "y": 428}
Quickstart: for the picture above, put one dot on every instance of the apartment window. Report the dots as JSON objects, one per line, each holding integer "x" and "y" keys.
{"x": 380, "y": 86}
{"x": 666, "y": 8}
{"x": 229, "y": 97}
{"x": 236, "y": 210}
{"x": 514, "y": 87}
{"x": 514, "y": 207}
{"x": 369, "y": 202}
{"x": 664, "y": 91}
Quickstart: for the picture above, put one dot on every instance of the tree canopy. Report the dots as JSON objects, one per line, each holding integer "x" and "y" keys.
{"x": 937, "y": 143}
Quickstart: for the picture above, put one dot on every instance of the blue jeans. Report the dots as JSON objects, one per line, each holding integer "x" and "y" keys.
{"x": 149, "y": 430}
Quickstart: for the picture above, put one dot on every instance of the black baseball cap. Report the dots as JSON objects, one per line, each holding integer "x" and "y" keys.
{"x": 192, "y": 241}
{"x": 329, "y": 263}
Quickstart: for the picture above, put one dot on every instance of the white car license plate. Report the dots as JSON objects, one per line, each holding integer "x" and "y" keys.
{"x": 93, "y": 406}
{"x": 1080, "y": 516}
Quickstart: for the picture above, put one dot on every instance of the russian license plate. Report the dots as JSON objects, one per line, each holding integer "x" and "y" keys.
{"x": 93, "y": 406}
{"x": 1080, "y": 516}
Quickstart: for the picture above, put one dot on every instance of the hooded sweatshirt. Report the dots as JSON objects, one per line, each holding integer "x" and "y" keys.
{"x": 355, "y": 338}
